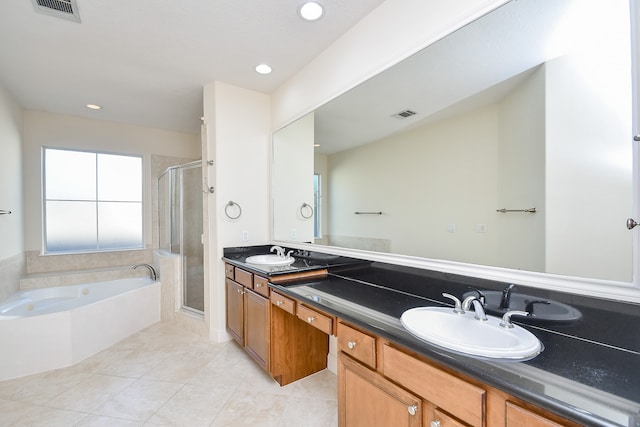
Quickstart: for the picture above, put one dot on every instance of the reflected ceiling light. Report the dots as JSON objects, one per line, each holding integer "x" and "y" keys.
{"x": 310, "y": 11}
{"x": 263, "y": 69}
{"x": 316, "y": 145}
{"x": 93, "y": 106}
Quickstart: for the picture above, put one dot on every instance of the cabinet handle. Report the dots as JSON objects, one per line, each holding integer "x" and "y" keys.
{"x": 310, "y": 319}
{"x": 279, "y": 303}
{"x": 258, "y": 285}
{"x": 435, "y": 423}
{"x": 412, "y": 409}
{"x": 351, "y": 345}
{"x": 240, "y": 291}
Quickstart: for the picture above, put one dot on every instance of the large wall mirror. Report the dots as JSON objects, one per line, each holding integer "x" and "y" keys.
{"x": 508, "y": 143}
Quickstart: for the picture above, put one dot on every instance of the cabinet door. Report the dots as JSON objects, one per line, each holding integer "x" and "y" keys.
{"x": 235, "y": 310}
{"x": 368, "y": 400}
{"x": 257, "y": 328}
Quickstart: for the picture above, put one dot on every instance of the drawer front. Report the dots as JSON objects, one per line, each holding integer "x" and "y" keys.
{"x": 287, "y": 304}
{"x": 316, "y": 319}
{"x": 357, "y": 344}
{"x": 243, "y": 277}
{"x": 261, "y": 286}
{"x": 448, "y": 392}
{"x": 228, "y": 271}
{"x": 517, "y": 416}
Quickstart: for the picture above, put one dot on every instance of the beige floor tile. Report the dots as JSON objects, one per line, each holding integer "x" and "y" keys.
{"x": 180, "y": 367}
{"x": 91, "y": 393}
{"x": 193, "y": 406}
{"x": 40, "y": 388}
{"x": 310, "y": 412}
{"x": 17, "y": 414}
{"x": 101, "y": 421}
{"x": 139, "y": 401}
{"x": 321, "y": 385}
{"x": 250, "y": 409}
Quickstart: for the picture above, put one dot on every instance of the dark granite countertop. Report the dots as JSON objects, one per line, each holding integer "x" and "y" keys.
{"x": 304, "y": 260}
{"x": 588, "y": 371}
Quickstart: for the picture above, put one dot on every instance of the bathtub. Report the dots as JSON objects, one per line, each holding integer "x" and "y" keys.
{"x": 50, "y": 328}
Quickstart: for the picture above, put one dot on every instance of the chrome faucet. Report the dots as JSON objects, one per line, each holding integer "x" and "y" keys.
{"x": 506, "y": 297}
{"x": 152, "y": 271}
{"x": 278, "y": 249}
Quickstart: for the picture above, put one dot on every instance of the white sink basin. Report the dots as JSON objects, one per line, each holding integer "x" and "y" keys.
{"x": 463, "y": 333}
{"x": 271, "y": 260}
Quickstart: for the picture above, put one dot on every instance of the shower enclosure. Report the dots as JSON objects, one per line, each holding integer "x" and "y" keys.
{"x": 180, "y": 227}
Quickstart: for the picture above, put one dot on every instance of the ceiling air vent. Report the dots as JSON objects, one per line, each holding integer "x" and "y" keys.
{"x": 404, "y": 114}
{"x": 65, "y": 9}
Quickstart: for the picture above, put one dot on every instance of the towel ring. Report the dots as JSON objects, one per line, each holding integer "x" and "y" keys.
{"x": 305, "y": 205}
{"x": 230, "y": 205}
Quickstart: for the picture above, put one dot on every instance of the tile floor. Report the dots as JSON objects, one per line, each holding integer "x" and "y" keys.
{"x": 167, "y": 376}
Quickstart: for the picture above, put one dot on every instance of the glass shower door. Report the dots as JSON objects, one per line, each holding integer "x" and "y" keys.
{"x": 191, "y": 246}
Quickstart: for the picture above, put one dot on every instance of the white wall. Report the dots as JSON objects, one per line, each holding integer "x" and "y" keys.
{"x": 11, "y": 191}
{"x": 12, "y": 260}
{"x": 521, "y": 176}
{"x": 292, "y": 181}
{"x": 390, "y": 33}
{"x": 435, "y": 177}
{"x": 57, "y": 130}
{"x": 238, "y": 123}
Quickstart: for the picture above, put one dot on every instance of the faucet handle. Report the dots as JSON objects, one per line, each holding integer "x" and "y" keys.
{"x": 506, "y": 319}
{"x": 458, "y": 305}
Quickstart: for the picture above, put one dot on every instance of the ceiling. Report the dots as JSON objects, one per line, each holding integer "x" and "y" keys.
{"x": 146, "y": 61}
{"x": 475, "y": 66}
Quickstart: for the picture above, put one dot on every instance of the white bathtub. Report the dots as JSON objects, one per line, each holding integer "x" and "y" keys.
{"x": 50, "y": 328}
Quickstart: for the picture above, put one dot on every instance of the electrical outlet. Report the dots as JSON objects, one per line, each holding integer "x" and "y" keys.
{"x": 245, "y": 236}
{"x": 451, "y": 228}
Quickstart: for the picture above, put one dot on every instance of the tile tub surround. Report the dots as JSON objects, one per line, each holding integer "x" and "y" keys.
{"x": 586, "y": 372}
{"x": 11, "y": 270}
{"x": 164, "y": 375}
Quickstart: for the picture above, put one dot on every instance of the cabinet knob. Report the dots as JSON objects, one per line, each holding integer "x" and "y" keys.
{"x": 435, "y": 423}
{"x": 239, "y": 291}
{"x": 279, "y": 303}
{"x": 310, "y": 319}
{"x": 351, "y": 345}
{"x": 412, "y": 409}
{"x": 258, "y": 285}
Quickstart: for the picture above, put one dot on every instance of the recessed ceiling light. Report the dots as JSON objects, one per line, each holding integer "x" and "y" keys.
{"x": 310, "y": 11}
{"x": 93, "y": 107}
{"x": 263, "y": 69}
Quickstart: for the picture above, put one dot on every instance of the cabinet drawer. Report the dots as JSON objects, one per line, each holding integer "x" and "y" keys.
{"x": 357, "y": 344}
{"x": 228, "y": 271}
{"x": 444, "y": 390}
{"x": 314, "y": 318}
{"x": 287, "y": 304}
{"x": 260, "y": 285}
{"x": 243, "y": 277}
{"x": 517, "y": 416}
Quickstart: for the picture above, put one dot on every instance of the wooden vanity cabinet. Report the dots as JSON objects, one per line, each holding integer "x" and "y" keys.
{"x": 376, "y": 375}
{"x": 270, "y": 329}
{"x": 366, "y": 399}
{"x": 248, "y": 312}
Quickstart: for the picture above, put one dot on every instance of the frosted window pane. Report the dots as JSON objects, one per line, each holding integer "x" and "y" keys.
{"x": 71, "y": 226}
{"x": 119, "y": 178}
{"x": 120, "y": 225}
{"x": 70, "y": 175}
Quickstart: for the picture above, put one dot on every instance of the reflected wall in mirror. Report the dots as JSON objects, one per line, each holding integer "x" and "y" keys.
{"x": 527, "y": 107}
